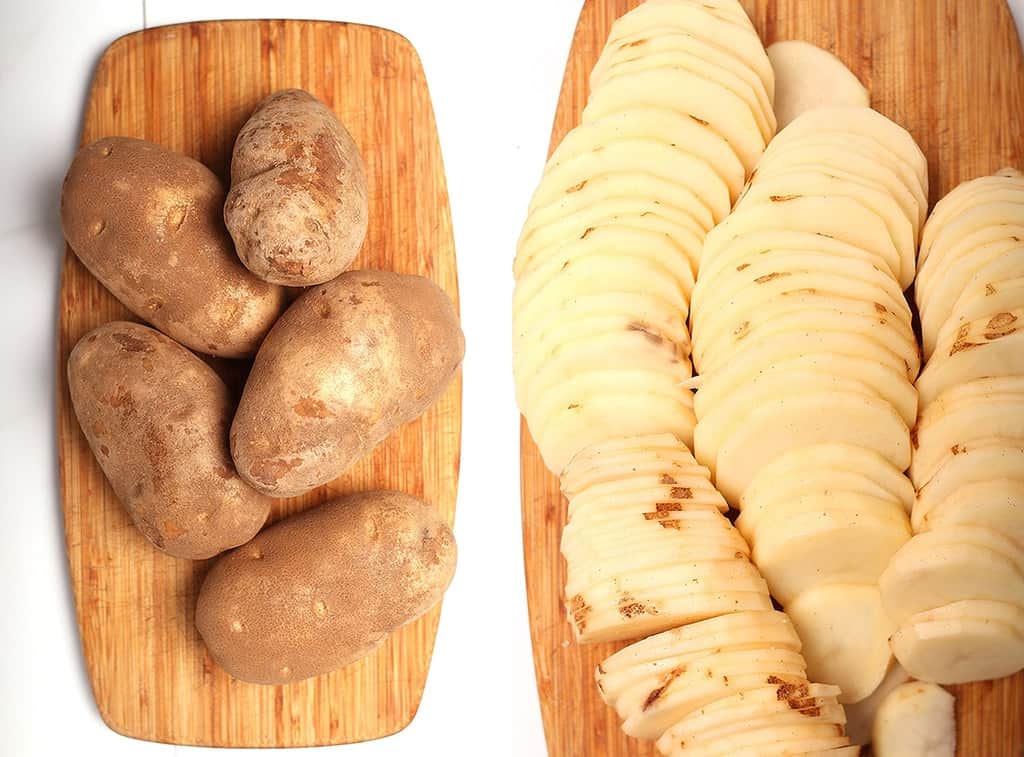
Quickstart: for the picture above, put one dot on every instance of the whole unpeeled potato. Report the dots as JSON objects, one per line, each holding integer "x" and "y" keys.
{"x": 323, "y": 588}
{"x": 297, "y": 208}
{"x": 157, "y": 418}
{"x": 147, "y": 222}
{"x": 349, "y": 362}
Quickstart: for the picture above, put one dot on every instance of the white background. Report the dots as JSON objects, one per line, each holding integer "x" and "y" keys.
{"x": 494, "y": 73}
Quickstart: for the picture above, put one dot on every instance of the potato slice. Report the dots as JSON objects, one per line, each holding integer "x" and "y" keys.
{"x": 971, "y": 640}
{"x": 840, "y": 218}
{"x": 671, "y": 163}
{"x": 998, "y": 504}
{"x": 987, "y": 462}
{"x": 888, "y": 135}
{"x": 841, "y": 325}
{"x": 800, "y": 469}
{"x": 741, "y": 83}
{"x": 687, "y": 94}
{"x": 740, "y": 734}
{"x": 951, "y": 564}
{"x": 934, "y": 271}
{"x": 989, "y": 347}
{"x": 939, "y": 307}
{"x": 983, "y": 298}
{"x": 808, "y": 77}
{"x": 649, "y": 710}
{"x": 659, "y": 124}
{"x": 967, "y": 196}
{"x": 714, "y": 633}
{"x": 860, "y": 716}
{"x": 856, "y": 155}
{"x": 772, "y": 187}
{"x": 785, "y": 738}
{"x": 755, "y": 244}
{"x": 845, "y": 634}
{"x": 881, "y": 379}
{"x": 716, "y": 426}
{"x": 785, "y": 424}
{"x": 839, "y": 497}
{"x": 652, "y": 20}
{"x": 656, "y": 48}
{"x": 957, "y": 428}
{"x": 916, "y": 720}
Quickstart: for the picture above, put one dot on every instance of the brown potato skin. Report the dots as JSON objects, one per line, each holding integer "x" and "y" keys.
{"x": 349, "y": 362}
{"x": 147, "y": 222}
{"x": 321, "y": 589}
{"x": 297, "y": 208}
{"x": 156, "y": 418}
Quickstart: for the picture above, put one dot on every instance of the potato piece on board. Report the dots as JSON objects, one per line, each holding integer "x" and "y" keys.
{"x": 916, "y": 720}
{"x": 845, "y": 634}
{"x": 156, "y": 418}
{"x": 969, "y": 640}
{"x": 860, "y": 716}
{"x": 319, "y": 590}
{"x": 808, "y": 77}
{"x": 297, "y": 209}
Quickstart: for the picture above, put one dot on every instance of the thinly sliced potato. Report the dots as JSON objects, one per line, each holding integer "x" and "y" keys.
{"x": 882, "y": 379}
{"x": 808, "y": 77}
{"x": 967, "y": 195}
{"x": 788, "y": 738}
{"x": 738, "y": 733}
{"x": 983, "y": 298}
{"x": 845, "y": 634}
{"x": 971, "y": 640}
{"x": 959, "y": 426}
{"x": 934, "y": 271}
{"x": 887, "y": 135}
{"x": 650, "y": 21}
{"x": 840, "y": 218}
{"x": 801, "y": 324}
{"x": 815, "y": 418}
{"x": 989, "y": 347}
{"x": 770, "y": 187}
{"x": 936, "y": 568}
{"x": 800, "y": 469}
{"x": 857, "y": 154}
{"x": 980, "y": 464}
{"x": 860, "y": 716}
{"x": 658, "y": 124}
{"x": 747, "y": 87}
{"x": 669, "y": 162}
{"x": 687, "y": 94}
{"x": 716, "y": 426}
{"x": 915, "y": 720}
{"x": 998, "y": 504}
{"x": 939, "y": 307}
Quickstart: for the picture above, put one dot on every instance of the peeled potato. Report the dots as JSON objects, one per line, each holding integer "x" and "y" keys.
{"x": 808, "y": 77}
{"x": 969, "y": 640}
{"x": 948, "y": 565}
{"x": 981, "y": 297}
{"x": 845, "y": 634}
{"x": 915, "y": 720}
{"x": 979, "y": 464}
{"x": 998, "y": 504}
{"x": 860, "y": 716}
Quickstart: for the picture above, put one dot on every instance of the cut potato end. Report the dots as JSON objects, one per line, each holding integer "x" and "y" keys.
{"x": 971, "y": 640}
{"x": 845, "y": 634}
{"x": 916, "y": 720}
{"x": 860, "y": 716}
{"x": 808, "y": 77}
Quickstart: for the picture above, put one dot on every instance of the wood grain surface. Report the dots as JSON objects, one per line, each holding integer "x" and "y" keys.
{"x": 950, "y": 71}
{"x": 191, "y": 87}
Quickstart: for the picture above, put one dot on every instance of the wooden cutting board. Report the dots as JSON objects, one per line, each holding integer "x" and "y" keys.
{"x": 191, "y": 87}
{"x": 951, "y": 71}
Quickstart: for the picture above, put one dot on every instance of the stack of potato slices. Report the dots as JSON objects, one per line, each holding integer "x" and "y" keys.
{"x": 648, "y": 548}
{"x": 679, "y": 113}
{"x": 956, "y": 590}
{"x": 803, "y": 341}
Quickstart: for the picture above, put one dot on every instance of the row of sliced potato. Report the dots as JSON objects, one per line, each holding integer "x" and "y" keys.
{"x": 649, "y": 550}
{"x": 806, "y": 356}
{"x": 680, "y": 111}
{"x": 955, "y": 591}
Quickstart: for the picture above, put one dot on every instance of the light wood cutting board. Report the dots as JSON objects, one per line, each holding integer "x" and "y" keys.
{"x": 951, "y": 71}
{"x": 190, "y": 88}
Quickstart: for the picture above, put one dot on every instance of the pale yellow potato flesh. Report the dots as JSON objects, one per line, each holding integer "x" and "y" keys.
{"x": 915, "y": 720}
{"x": 808, "y": 77}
